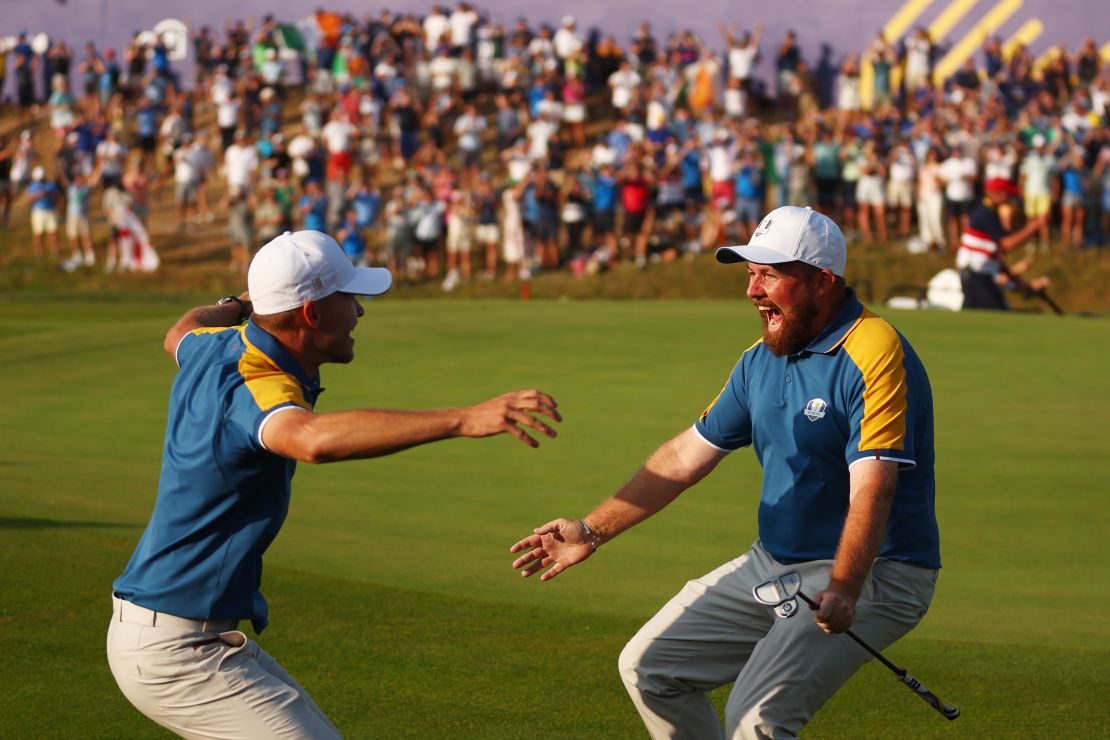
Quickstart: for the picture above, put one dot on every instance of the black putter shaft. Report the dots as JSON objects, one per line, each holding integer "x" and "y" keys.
{"x": 948, "y": 711}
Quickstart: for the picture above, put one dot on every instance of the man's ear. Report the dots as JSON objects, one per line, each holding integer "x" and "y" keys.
{"x": 826, "y": 281}
{"x": 310, "y": 314}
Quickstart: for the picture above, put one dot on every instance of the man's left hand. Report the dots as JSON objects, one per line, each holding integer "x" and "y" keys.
{"x": 836, "y": 610}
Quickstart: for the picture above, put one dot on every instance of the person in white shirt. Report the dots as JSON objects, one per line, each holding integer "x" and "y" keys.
{"x": 900, "y": 186}
{"x": 111, "y": 155}
{"x": 959, "y": 173}
{"x": 622, "y": 83}
{"x": 542, "y": 46}
{"x": 919, "y": 49}
{"x": 338, "y": 135}
{"x": 436, "y": 26}
{"x": 567, "y": 42}
{"x": 227, "y": 118}
{"x": 743, "y": 53}
{"x": 240, "y": 164}
{"x": 462, "y": 23}
{"x": 602, "y": 154}
{"x": 442, "y": 69}
{"x": 469, "y": 128}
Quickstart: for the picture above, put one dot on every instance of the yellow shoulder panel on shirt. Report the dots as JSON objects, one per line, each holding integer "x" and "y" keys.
{"x": 876, "y": 349}
{"x": 718, "y": 397}
{"x": 212, "y": 329}
{"x": 269, "y": 384}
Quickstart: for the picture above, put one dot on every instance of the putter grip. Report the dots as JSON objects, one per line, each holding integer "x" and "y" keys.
{"x": 949, "y": 711}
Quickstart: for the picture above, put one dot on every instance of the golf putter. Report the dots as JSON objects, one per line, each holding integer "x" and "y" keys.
{"x": 783, "y": 593}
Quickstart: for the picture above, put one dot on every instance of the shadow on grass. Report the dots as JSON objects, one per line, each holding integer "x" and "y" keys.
{"x": 10, "y": 522}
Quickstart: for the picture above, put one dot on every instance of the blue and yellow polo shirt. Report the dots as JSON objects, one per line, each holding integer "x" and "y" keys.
{"x": 858, "y": 391}
{"x": 222, "y": 496}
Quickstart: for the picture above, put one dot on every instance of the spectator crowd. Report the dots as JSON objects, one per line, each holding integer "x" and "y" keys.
{"x": 451, "y": 147}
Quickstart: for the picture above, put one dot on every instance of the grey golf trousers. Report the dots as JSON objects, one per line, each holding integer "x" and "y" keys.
{"x": 714, "y": 632}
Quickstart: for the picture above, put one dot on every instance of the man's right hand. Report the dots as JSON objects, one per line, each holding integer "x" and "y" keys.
{"x": 508, "y": 413}
{"x": 559, "y": 544}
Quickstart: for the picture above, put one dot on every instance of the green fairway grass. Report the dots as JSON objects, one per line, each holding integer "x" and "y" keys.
{"x": 392, "y": 596}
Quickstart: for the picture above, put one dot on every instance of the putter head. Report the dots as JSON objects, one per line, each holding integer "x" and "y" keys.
{"x": 780, "y": 593}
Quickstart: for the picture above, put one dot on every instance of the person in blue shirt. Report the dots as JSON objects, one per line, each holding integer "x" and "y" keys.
{"x": 44, "y": 196}
{"x": 365, "y": 198}
{"x": 241, "y": 416}
{"x": 350, "y": 237}
{"x": 604, "y": 188}
{"x": 148, "y": 119}
{"x": 838, "y": 410}
{"x": 314, "y": 207}
{"x": 691, "y": 165}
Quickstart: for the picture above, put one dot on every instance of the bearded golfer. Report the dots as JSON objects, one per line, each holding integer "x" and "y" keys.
{"x": 838, "y": 408}
{"x": 241, "y": 416}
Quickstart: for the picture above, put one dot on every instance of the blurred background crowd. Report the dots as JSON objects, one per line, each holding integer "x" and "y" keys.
{"x": 453, "y": 148}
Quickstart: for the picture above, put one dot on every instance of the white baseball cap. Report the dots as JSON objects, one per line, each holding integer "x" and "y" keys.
{"x": 793, "y": 234}
{"x": 307, "y": 266}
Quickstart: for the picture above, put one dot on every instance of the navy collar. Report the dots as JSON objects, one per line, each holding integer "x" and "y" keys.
{"x": 838, "y": 329}
{"x": 282, "y": 357}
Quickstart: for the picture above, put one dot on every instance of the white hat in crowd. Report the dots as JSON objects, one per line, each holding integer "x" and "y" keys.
{"x": 793, "y": 234}
{"x": 307, "y": 266}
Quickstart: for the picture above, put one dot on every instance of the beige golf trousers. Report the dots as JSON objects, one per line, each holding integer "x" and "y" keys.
{"x": 714, "y": 632}
{"x": 206, "y": 679}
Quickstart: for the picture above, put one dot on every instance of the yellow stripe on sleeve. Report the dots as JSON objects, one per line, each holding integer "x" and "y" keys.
{"x": 876, "y": 349}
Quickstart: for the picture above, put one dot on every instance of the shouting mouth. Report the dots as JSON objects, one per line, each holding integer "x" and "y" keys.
{"x": 772, "y": 318}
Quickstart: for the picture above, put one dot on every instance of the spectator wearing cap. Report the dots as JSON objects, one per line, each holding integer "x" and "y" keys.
{"x": 984, "y": 244}
{"x": 44, "y": 195}
{"x": 1035, "y": 177}
{"x": 567, "y": 42}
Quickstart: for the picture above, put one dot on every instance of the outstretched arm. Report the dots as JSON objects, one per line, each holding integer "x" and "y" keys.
{"x": 361, "y": 433}
{"x": 873, "y": 483}
{"x": 677, "y": 465}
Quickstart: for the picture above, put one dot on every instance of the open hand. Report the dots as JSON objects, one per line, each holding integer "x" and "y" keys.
{"x": 508, "y": 413}
{"x": 558, "y": 544}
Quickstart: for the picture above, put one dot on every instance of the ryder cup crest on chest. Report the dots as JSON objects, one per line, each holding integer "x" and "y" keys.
{"x": 815, "y": 409}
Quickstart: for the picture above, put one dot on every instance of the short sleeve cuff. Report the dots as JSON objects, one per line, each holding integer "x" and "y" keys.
{"x": 904, "y": 458}
{"x": 269, "y": 415}
{"x": 706, "y": 437}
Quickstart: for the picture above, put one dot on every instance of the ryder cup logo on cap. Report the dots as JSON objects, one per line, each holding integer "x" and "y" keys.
{"x": 793, "y": 234}
{"x": 307, "y": 266}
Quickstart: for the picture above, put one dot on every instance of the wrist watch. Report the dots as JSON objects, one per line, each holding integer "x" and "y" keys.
{"x": 244, "y": 311}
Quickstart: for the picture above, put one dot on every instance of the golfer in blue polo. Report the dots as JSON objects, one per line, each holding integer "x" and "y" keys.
{"x": 241, "y": 415}
{"x": 837, "y": 407}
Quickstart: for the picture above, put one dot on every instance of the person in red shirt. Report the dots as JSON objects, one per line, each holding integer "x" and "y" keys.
{"x": 639, "y": 215}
